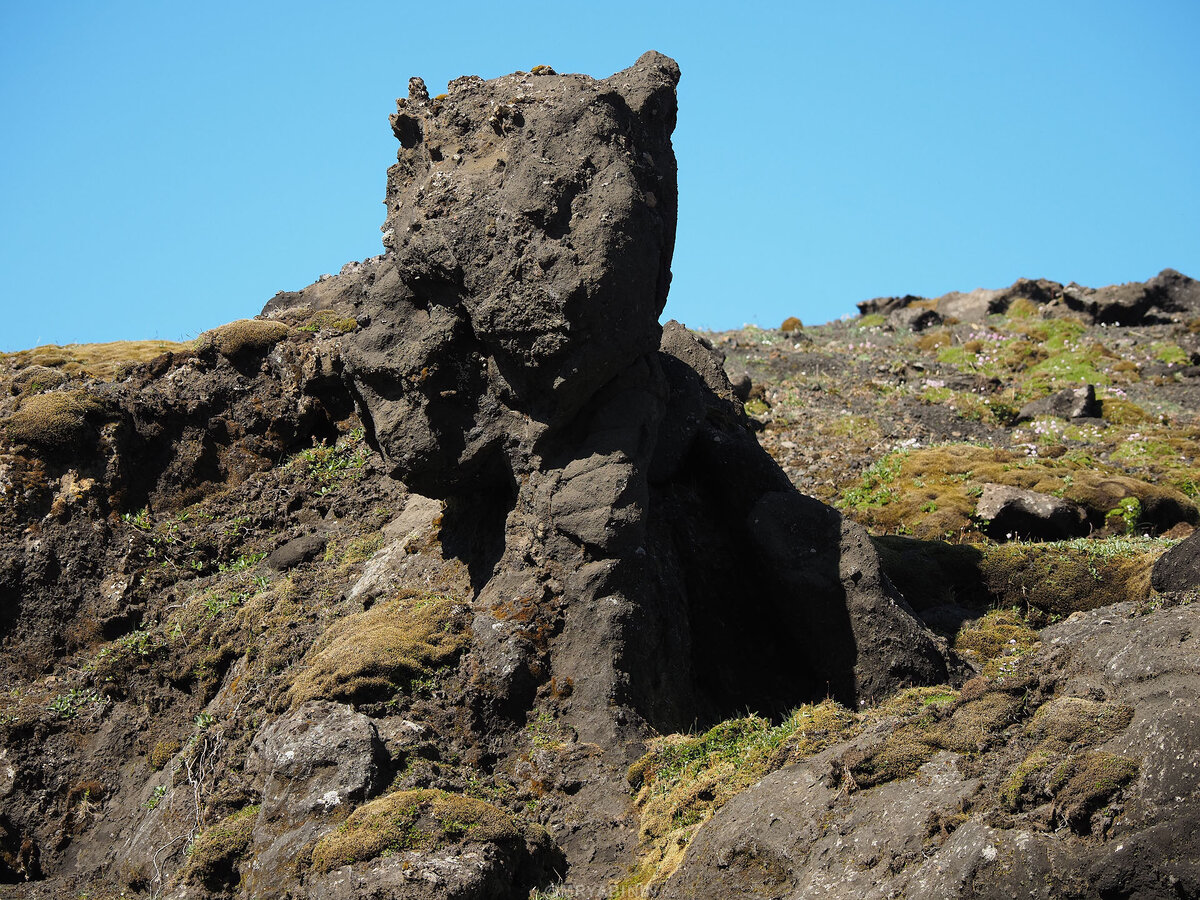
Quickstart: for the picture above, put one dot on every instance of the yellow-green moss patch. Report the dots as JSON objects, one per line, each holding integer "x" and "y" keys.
{"x": 100, "y": 361}
{"x": 213, "y": 858}
{"x": 371, "y": 655}
{"x": 412, "y": 820}
{"x": 1052, "y": 580}
{"x": 932, "y": 492}
{"x": 684, "y": 779}
{"x": 967, "y": 725}
{"x": 245, "y": 336}
{"x": 1086, "y": 783}
{"x": 162, "y": 753}
{"x": 54, "y": 421}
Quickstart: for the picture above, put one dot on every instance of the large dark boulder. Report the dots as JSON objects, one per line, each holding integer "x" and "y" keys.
{"x": 1179, "y": 568}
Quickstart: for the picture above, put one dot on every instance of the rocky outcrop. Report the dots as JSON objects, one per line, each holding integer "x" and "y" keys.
{"x": 1012, "y": 512}
{"x": 625, "y": 533}
{"x": 1072, "y": 403}
{"x": 637, "y": 562}
{"x": 1166, "y": 297}
{"x": 1091, "y": 790}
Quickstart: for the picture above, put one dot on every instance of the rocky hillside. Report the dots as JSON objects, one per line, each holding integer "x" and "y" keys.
{"x": 458, "y": 575}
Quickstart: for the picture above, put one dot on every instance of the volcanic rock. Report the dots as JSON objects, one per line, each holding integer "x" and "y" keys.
{"x": 1016, "y": 513}
{"x": 1179, "y": 568}
{"x": 1072, "y": 403}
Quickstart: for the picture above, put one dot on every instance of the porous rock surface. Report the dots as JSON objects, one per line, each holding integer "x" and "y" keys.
{"x": 636, "y": 562}
{"x": 945, "y": 832}
{"x": 1168, "y": 296}
{"x": 597, "y": 466}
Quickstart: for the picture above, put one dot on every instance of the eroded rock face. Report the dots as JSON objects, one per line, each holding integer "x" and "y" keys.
{"x": 970, "y": 828}
{"x": 1169, "y": 295}
{"x": 639, "y": 561}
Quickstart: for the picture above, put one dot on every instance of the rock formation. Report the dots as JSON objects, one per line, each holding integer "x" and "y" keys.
{"x": 1163, "y": 298}
{"x": 388, "y": 592}
{"x": 625, "y": 532}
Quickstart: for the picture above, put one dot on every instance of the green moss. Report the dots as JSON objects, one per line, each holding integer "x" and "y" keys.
{"x": 163, "y": 753}
{"x": 213, "y": 858}
{"x": 1065, "y": 722}
{"x": 1119, "y": 411}
{"x": 329, "y": 320}
{"x": 1020, "y": 785}
{"x": 245, "y": 336}
{"x": 999, "y": 634}
{"x": 756, "y": 407}
{"x": 54, "y": 421}
{"x": 891, "y": 495}
{"x": 1086, "y": 783}
{"x": 684, "y": 779}
{"x": 412, "y": 820}
{"x": 1049, "y": 581}
{"x": 871, "y": 320}
{"x": 967, "y": 725}
{"x": 371, "y": 655}
{"x": 1170, "y": 353}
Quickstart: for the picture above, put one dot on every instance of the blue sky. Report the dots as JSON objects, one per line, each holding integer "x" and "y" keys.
{"x": 166, "y": 167}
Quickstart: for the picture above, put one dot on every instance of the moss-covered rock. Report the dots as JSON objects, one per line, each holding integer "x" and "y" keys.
{"x": 56, "y": 421}
{"x": 213, "y": 858}
{"x": 244, "y": 336}
{"x": 413, "y": 820}
{"x": 371, "y": 655}
{"x": 1051, "y": 581}
{"x": 1085, "y": 783}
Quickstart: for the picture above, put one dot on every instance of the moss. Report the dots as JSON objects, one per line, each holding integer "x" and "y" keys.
{"x": 1170, "y": 353}
{"x": 245, "y": 336}
{"x": 213, "y": 858}
{"x": 756, "y": 407}
{"x": 871, "y": 320}
{"x": 893, "y": 493}
{"x": 1050, "y": 581}
{"x": 1020, "y": 785}
{"x": 791, "y": 323}
{"x": 995, "y": 637}
{"x": 163, "y": 753}
{"x": 372, "y": 654}
{"x": 684, "y": 779}
{"x": 329, "y": 320}
{"x": 412, "y": 820}
{"x": 1119, "y": 411}
{"x": 1068, "y": 721}
{"x": 934, "y": 340}
{"x": 1086, "y": 783}
{"x": 1022, "y": 308}
{"x": 55, "y": 421}
{"x": 100, "y": 361}
{"x": 966, "y": 726}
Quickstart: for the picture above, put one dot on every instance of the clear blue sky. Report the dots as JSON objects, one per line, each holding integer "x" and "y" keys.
{"x": 166, "y": 167}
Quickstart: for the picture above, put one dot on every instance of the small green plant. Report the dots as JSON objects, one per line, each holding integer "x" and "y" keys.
{"x": 1128, "y": 512}
{"x": 139, "y": 520}
{"x": 70, "y": 704}
{"x": 204, "y": 721}
{"x": 243, "y": 562}
{"x": 156, "y": 797}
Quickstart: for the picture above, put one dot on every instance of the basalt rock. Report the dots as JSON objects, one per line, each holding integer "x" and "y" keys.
{"x": 626, "y": 534}
{"x": 637, "y": 562}
{"x": 1167, "y": 296}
